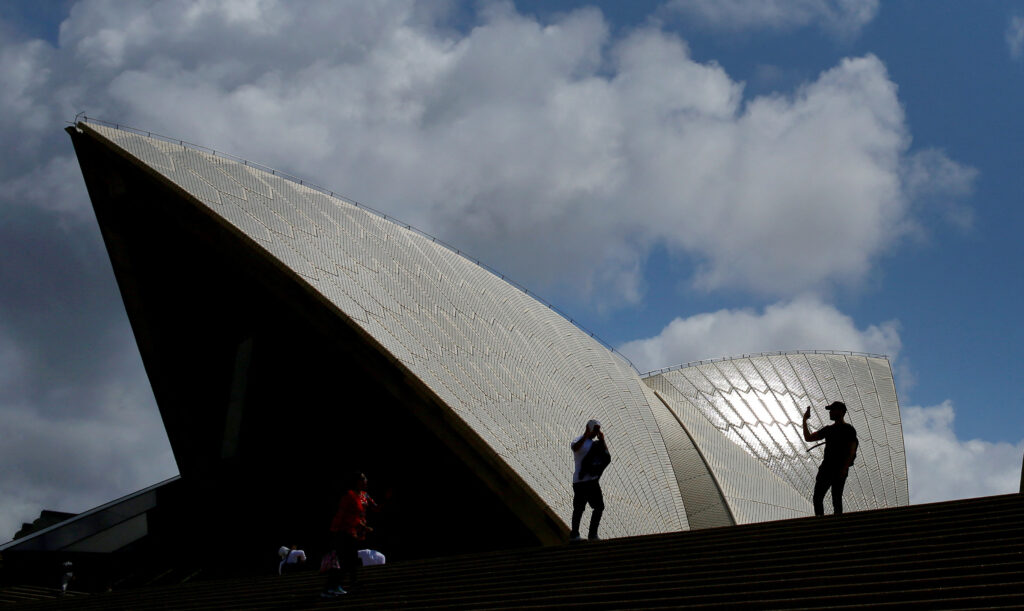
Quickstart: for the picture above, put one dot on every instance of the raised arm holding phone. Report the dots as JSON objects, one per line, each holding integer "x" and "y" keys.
{"x": 586, "y": 488}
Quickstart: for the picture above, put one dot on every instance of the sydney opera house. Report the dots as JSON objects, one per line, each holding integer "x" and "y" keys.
{"x": 291, "y": 336}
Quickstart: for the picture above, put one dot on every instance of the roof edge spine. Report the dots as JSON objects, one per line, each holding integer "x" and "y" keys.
{"x": 655, "y": 372}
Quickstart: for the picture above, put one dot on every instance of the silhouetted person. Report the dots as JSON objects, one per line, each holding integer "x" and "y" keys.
{"x": 348, "y": 531}
{"x": 67, "y": 576}
{"x": 591, "y": 457}
{"x": 840, "y": 449}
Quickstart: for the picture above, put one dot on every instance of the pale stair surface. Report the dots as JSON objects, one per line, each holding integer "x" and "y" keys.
{"x": 951, "y": 555}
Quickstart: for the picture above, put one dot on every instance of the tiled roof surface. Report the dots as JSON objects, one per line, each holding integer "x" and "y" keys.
{"x": 522, "y": 376}
{"x": 716, "y": 442}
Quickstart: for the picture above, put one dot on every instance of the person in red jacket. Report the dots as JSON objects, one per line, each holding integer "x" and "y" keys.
{"x": 348, "y": 530}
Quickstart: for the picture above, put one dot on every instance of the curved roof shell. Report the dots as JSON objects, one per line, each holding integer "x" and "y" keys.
{"x": 756, "y": 404}
{"x": 522, "y": 377}
{"x": 695, "y": 447}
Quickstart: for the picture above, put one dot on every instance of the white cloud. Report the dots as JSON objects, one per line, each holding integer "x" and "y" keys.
{"x": 55, "y": 185}
{"x": 26, "y": 77}
{"x": 1015, "y": 37}
{"x": 942, "y": 467}
{"x": 802, "y": 324}
{"x": 588, "y": 148}
{"x": 841, "y": 17}
{"x": 940, "y": 185}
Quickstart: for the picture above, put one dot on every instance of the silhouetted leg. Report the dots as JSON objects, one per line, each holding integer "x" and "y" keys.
{"x": 348, "y": 557}
{"x": 334, "y": 575}
{"x": 597, "y": 504}
{"x": 838, "y": 483}
{"x": 579, "y": 503}
{"x": 821, "y": 486}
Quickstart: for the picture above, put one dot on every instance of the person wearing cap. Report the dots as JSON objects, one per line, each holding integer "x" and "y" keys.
{"x": 586, "y": 487}
{"x": 840, "y": 449}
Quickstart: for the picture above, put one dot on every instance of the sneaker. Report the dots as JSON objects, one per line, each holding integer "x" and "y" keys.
{"x": 593, "y": 538}
{"x": 333, "y": 592}
{"x": 575, "y": 539}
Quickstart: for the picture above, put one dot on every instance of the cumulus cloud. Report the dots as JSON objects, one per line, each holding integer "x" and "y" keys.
{"x": 1015, "y": 36}
{"x": 942, "y": 467}
{"x": 589, "y": 148}
{"x": 802, "y": 324}
{"x": 940, "y": 186}
{"x": 841, "y": 17}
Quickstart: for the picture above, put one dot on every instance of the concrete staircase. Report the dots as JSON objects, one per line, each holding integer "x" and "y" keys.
{"x": 951, "y": 555}
{"x": 25, "y": 593}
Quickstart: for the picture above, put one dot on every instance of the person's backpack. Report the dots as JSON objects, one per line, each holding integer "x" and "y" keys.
{"x": 596, "y": 461}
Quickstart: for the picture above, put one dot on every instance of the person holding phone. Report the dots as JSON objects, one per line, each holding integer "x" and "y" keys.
{"x": 840, "y": 450}
{"x": 586, "y": 487}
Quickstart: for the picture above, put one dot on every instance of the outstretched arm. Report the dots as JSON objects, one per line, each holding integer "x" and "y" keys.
{"x": 808, "y": 435}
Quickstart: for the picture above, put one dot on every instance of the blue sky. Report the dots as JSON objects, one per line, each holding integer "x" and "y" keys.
{"x": 687, "y": 179}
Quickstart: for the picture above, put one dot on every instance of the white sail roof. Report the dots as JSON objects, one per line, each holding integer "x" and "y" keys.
{"x": 756, "y": 404}
{"x": 713, "y": 443}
